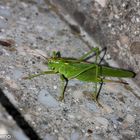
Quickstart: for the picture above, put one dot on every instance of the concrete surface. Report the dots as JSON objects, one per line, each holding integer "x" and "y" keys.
{"x": 36, "y": 27}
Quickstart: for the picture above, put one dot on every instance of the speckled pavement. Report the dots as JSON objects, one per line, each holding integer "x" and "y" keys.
{"x": 32, "y": 29}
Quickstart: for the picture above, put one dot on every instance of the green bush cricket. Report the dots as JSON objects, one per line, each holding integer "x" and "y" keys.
{"x": 70, "y": 68}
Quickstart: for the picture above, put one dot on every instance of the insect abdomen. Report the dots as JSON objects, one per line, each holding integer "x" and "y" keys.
{"x": 115, "y": 72}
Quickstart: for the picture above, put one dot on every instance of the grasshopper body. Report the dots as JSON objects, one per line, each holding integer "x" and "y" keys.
{"x": 82, "y": 70}
{"x": 85, "y": 71}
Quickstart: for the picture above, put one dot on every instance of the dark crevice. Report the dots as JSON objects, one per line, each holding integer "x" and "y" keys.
{"x": 19, "y": 119}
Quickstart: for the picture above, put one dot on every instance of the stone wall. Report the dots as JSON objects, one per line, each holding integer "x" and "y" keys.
{"x": 113, "y": 24}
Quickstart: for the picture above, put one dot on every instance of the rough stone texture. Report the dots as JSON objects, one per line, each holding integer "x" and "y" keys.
{"x": 36, "y": 28}
{"x": 113, "y": 24}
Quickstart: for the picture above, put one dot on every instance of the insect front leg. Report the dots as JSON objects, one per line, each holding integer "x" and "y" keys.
{"x": 39, "y": 74}
{"x": 64, "y": 83}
